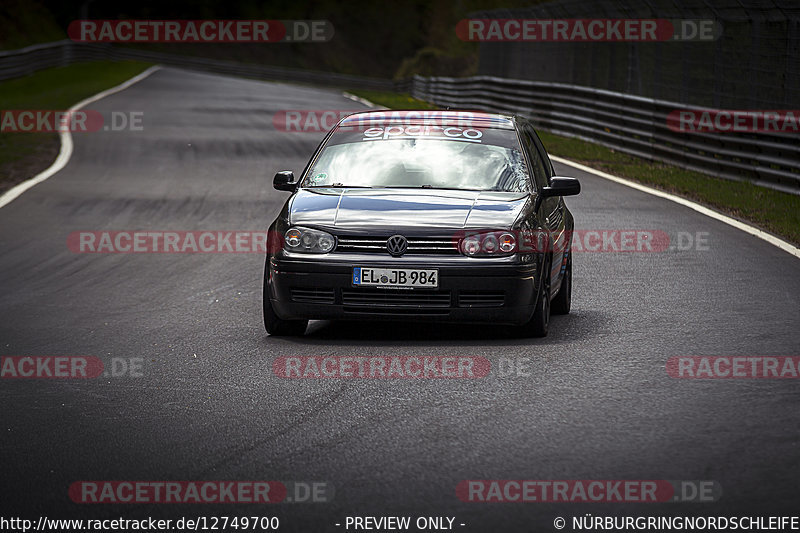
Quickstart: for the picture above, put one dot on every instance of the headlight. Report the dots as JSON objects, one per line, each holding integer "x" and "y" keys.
{"x": 471, "y": 245}
{"x": 495, "y": 243}
{"x": 308, "y": 240}
{"x": 507, "y": 243}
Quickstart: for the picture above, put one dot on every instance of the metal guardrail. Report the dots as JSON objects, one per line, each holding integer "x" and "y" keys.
{"x": 630, "y": 124}
{"x": 25, "y": 61}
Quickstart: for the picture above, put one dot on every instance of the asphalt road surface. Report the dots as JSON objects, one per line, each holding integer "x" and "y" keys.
{"x": 591, "y": 401}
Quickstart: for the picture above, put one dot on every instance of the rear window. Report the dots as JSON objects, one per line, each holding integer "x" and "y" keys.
{"x": 421, "y": 156}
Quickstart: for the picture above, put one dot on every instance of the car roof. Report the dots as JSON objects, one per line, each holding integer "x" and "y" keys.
{"x": 460, "y": 118}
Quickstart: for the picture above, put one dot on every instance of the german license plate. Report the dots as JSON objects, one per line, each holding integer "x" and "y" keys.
{"x": 396, "y": 277}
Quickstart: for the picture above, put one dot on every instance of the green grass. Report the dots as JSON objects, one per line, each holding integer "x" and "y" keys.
{"x": 22, "y": 155}
{"x": 59, "y": 88}
{"x": 774, "y": 211}
{"x": 394, "y": 100}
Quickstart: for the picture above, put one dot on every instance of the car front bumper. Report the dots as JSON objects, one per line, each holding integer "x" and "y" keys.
{"x": 498, "y": 290}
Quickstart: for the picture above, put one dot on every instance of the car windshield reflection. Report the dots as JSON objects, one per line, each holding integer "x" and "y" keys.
{"x": 414, "y": 163}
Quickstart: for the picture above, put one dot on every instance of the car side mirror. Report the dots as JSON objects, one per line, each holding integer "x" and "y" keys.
{"x": 562, "y": 186}
{"x": 284, "y": 181}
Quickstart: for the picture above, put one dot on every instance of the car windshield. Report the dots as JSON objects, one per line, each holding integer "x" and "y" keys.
{"x": 422, "y": 157}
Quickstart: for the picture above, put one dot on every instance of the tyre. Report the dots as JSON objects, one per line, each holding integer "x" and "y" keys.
{"x": 562, "y": 303}
{"x": 277, "y": 326}
{"x": 539, "y": 323}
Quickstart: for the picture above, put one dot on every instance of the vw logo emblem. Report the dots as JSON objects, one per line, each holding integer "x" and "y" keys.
{"x": 397, "y": 245}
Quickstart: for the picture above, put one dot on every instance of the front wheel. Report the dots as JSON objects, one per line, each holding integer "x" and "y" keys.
{"x": 277, "y": 326}
{"x": 563, "y": 301}
{"x": 540, "y": 322}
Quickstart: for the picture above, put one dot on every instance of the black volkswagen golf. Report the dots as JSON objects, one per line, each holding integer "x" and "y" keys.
{"x": 437, "y": 216}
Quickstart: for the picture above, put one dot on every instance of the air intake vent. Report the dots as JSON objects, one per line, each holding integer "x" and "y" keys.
{"x": 313, "y": 296}
{"x": 396, "y": 298}
{"x": 481, "y": 298}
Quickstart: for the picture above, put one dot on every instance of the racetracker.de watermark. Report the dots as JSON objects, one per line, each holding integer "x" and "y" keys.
{"x": 81, "y": 121}
{"x": 240, "y": 242}
{"x": 206, "y": 492}
{"x": 200, "y": 31}
{"x": 734, "y": 367}
{"x": 169, "y": 242}
{"x": 594, "y": 240}
{"x": 382, "y": 367}
{"x": 68, "y": 367}
{"x": 734, "y": 121}
{"x": 587, "y": 491}
{"x": 588, "y": 30}
{"x": 322, "y": 120}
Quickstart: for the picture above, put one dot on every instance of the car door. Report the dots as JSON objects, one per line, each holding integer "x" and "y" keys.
{"x": 551, "y": 210}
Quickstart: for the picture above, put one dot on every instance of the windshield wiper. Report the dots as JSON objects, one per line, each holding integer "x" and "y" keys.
{"x": 426, "y": 186}
{"x": 338, "y": 186}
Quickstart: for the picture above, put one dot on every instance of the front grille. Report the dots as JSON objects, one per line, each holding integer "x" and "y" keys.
{"x": 481, "y": 298}
{"x": 313, "y": 296}
{"x": 416, "y": 245}
{"x": 396, "y": 298}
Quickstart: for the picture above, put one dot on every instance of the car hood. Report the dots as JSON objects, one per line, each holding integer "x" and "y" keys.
{"x": 373, "y": 208}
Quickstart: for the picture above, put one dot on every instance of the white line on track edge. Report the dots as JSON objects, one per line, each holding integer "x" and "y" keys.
{"x": 66, "y": 141}
{"x": 756, "y": 232}
{"x": 363, "y": 101}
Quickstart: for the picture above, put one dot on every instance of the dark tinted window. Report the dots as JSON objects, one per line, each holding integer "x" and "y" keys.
{"x": 543, "y": 154}
{"x": 540, "y": 168}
